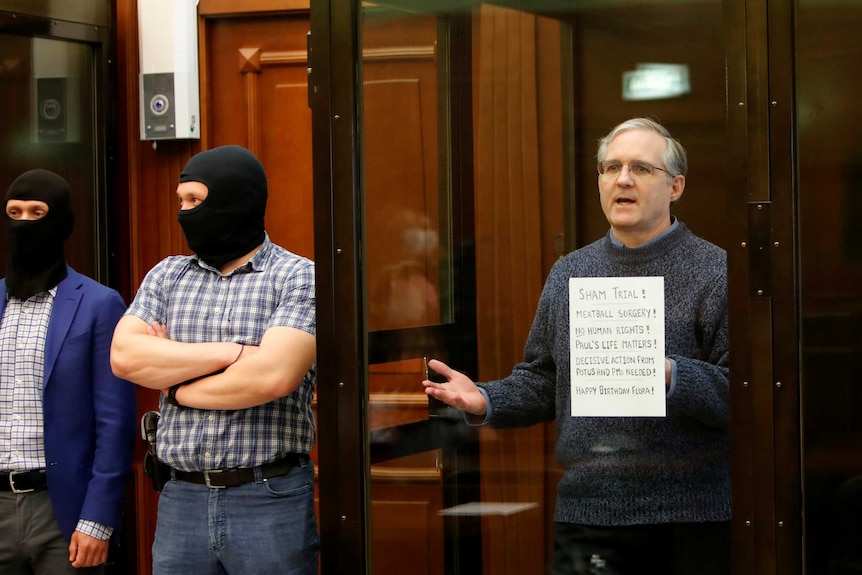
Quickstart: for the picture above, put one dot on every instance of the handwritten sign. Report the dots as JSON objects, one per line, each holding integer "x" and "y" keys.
{"x": 617, "y": 346}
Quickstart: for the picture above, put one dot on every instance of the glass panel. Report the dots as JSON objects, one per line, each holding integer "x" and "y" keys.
{"x": 47, "y": 121}
{"x": 545, "y": 93}
{"x": 406, "y": 509}
{"x": 406, "y": 492}
{"x": 408, "y": 267}
{"x": 522, "y": 97}
{"x": 544, "y": 90}
{"x": 829, "y": 62}
{"x": 406, "y": 202}
{"x": 394, "y": 395}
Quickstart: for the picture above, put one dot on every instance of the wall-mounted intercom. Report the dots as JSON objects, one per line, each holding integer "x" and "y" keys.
{"x": 168, "y": 50}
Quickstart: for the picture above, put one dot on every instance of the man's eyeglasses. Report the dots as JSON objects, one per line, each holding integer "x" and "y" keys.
{"x": 637, "y": 168}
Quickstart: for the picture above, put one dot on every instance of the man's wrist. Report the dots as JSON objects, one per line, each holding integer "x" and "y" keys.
{"x": 172, "y": 395}
{"x": 239, "y": 355}
{"x": 94, "y": 529}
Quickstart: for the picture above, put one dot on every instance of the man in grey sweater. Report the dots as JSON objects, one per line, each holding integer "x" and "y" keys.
{"x": 639, "y": 494}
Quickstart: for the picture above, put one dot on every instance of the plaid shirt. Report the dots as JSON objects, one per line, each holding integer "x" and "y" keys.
{"x": 23, "y": 332}
{"x": 198, "y": 304}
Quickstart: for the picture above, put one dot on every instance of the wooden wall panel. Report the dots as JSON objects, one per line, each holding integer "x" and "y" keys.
{"x": 258, "y": 98}
{"x": 829, "y": 52}
{"x": 402, "y": 221}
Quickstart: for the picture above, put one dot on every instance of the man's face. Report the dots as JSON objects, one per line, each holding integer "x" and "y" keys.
{"x": 191, "y": 194}
{"x": 638, "y": 207}
{"x": 26, "y": 209}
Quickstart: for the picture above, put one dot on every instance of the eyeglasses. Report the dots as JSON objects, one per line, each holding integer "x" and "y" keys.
{"x": 637, "y": 168}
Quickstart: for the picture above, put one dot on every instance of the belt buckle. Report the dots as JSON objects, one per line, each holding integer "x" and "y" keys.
{"x": 207, "y": 478}
{"x": 12, "y": 475}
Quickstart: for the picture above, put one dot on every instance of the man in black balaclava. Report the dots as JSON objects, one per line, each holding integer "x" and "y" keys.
{"x": 229, "y": 223}
{"x": 36, "y": 261}
{"x": 60, "y": 497}
{"x": 227, "y": 335}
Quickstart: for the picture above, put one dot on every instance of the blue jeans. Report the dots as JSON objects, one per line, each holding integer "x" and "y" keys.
{"x": 267, "y": 526}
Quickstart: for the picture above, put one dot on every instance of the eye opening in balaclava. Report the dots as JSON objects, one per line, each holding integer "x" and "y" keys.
{"x": 36, "y": 261}
{"x": 229, "y": 223}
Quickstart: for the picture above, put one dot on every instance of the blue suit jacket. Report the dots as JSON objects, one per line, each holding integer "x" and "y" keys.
{"x": 90, "y": 417}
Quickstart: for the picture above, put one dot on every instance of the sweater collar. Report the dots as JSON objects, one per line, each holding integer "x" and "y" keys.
{"x": 658, "y": 246}
{"x": 674, "y": 224}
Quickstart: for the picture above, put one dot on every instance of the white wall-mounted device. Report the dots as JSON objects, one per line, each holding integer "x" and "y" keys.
{"x": 168, "y": 52}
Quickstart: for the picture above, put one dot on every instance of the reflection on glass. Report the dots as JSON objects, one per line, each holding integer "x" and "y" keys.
{"x": 829, "y": 52}
{"x": 535, "y": 82}
{"x": 402, "y": 290}
{"x": 543, "y": 91}
{"x": 412, "y": 479}
{"x": 407, "y": 246}
{"x": 395, "y": 395}
{"x": 47, "y": 121}
{"x": 403, "y": 192}
{"x": 406, "y": 516}
{"x": 521, "y": 80}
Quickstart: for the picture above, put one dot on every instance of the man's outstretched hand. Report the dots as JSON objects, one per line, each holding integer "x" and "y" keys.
{"x": 458, "y": 391}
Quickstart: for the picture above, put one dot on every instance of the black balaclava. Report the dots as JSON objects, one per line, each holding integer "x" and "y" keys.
{"x": 36, "y": 261}
{"x": 229, "y": 222}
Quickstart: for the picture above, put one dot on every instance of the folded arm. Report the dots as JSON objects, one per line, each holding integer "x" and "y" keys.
{"x": 157, "y": 362}
{"x": 274, "y": 370}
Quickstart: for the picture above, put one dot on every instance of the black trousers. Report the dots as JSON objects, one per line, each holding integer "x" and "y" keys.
{"x": 666, "y": 549}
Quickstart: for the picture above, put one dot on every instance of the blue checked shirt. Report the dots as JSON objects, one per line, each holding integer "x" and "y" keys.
{"x": 198, "y": 304}
{"x": 23, "y": 332}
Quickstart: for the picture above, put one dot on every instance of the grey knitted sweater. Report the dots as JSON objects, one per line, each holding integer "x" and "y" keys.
{"x": 628, "y": 470}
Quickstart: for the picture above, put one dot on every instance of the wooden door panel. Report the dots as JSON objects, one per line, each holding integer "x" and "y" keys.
{"x": 257, "y": 97}
{"x": 286, "y": 148}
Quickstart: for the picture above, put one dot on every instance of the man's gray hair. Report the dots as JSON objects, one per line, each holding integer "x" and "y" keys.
{"x": 674, "y": 156}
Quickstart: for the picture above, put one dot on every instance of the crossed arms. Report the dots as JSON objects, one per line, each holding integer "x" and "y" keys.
{"x": 221, "y": 375}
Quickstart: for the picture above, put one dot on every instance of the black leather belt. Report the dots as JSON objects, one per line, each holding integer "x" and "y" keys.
{"x": 23, "y": 481}
{"x": 220, "y": 478}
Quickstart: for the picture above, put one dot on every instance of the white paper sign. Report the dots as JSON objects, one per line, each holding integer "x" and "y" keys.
{"x": 617, "y": 346}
